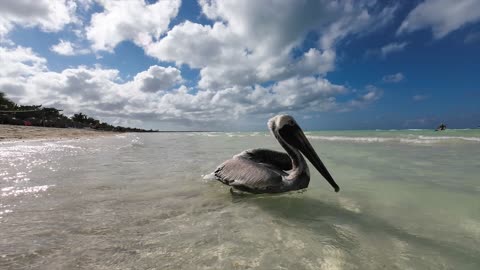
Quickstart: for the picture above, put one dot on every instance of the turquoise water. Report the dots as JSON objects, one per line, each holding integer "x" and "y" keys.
{"x": 409, "y": 199}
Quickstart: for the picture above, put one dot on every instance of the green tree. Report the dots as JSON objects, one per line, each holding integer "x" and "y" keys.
{"x": 79, "y": 117}
{"x": 5, "y": 103}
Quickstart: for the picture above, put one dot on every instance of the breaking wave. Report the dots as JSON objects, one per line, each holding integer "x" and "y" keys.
{"x": 406, "y": 136}
{"x": 407, "y": 139}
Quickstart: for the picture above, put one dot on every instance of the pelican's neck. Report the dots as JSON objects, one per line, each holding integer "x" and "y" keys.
{"x": 299, "y": 166}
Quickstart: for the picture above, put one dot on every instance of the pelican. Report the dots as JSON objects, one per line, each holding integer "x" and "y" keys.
{"x": 267, "y": 171}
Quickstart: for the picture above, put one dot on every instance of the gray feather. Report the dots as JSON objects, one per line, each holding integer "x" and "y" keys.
{"x": 248, "y": 175}
{"x": 275, "y": 159}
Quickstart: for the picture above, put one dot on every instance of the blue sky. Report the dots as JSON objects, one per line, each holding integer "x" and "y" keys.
{"x": 230, "y": 65}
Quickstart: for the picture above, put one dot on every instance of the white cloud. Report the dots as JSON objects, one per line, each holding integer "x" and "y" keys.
{"x": 85, "y": 4}
{"x": 132, "y": 20}
{"x": 356, "y": 19}
{"x": 248, "y": 45}
{"x": 420, "y": 97}
{"x": 67, "y": 48}
{"x": 20, "y": 62}
{"x": 158, "y": 78}
{"x": 200, "y": 45}
{"x": 392, "y": 47}
{"x": 252, "y": 41}
{"x": 156, "y": 94}
{"x": 307, "y": 92}
{"x": 371, "y": 95}
{"x": 394, "y": 78}
{"x": 17, "y": 65}
{"x": 224, "y": 61}
{"x": 49, "y": 15}
{"x": 63, "y": 48}
{"x": 441, "y": 16}
{"x": 387, "y": 49}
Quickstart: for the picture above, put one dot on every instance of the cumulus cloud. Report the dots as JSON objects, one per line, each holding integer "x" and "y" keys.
{"x": 20, "y": 62}
{"x": 441, "y": 16}
{"x": 85, "y": 4}
{"x": 67, "y": 48}
{"x": 49, "y": 15}
{"x": 251, "y": 60}
{"x": 394, "y": 78}
{"x": 251, "y": 42}
{"x": 63, "y": 48}
{"x": 17, "y": 65}
{"x": 158, "y": 78}
{"x": 157, "y": 94}
{"x": 224, "y": 61}
{"x": 133, "y": 20}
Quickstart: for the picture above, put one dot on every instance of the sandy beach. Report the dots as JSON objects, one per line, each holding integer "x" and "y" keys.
{"x": 10, "y": 132}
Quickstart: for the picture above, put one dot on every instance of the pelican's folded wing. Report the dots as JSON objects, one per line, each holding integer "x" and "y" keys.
{"x": 276, "y": 159}
{"x": 247, "y": 175}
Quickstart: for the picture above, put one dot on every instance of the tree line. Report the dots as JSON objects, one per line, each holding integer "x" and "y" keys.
{"x": 37, "y": 115}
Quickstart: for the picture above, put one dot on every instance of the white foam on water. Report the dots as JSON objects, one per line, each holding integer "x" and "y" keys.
{"x": 332, "y": 259}
{"x": 230, "y": 134}
{"x": 209, "y": 177}
{"x": 410, "y": 139}
{"x": 349, "y": 204}
{"x": 473, "y": 139}
{"x": 349, "y": 139}
{"x": 472, "y": 227}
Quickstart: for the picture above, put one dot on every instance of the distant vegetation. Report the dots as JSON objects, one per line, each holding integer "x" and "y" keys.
{"x": 36, "y": 115}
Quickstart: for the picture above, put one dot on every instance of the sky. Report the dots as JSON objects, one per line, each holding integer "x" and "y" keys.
{"x": 231, "y": 65}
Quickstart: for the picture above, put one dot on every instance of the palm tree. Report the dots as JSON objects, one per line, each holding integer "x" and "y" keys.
{"x": 79, "y": 117}
{"x": 6, "y": 103}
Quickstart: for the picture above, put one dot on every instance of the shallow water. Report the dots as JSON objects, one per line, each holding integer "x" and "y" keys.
{"x": 409, "y": 199}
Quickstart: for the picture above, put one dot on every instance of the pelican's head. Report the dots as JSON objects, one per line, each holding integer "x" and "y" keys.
{"x": 278, "y": 121}
{"x": 285, "y": 128}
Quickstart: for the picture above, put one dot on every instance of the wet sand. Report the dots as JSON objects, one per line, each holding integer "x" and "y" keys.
{"x": 11, "y": 132}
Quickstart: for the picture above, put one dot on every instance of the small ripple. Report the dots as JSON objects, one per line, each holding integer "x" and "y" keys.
{"x": 333, "y": 258}
{"x": 4, "y": 209}
{"x": 17, "y": 191}
{"x": 472, "y": 227}
{"x": 349, "y": 204}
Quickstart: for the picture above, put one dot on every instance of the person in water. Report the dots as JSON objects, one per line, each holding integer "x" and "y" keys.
{"x": 441, "y": 127}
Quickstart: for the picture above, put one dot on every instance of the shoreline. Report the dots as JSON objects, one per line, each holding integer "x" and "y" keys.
{"x": 20, "y": 133}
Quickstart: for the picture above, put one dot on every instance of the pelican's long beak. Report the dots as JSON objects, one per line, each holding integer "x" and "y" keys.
{"x": 300, "y": 141}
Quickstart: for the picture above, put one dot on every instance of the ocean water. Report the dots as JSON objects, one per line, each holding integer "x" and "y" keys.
{"x": 409, "y": 199}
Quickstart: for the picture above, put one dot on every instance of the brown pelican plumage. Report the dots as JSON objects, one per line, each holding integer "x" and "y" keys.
{"x": 268, "y": 171}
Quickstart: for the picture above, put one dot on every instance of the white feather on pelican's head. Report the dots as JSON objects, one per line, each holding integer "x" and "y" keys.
{"x": 279, "y": 121}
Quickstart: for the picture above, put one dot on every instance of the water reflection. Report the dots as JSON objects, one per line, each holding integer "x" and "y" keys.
{"x": 354, "y": 233}
{"x": 139, "y": 202}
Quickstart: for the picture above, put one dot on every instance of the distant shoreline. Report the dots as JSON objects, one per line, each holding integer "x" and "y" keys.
{"x": 20, "y": 133}
{"x": 17, "y": 132}
{"x": 14, "y": 133}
